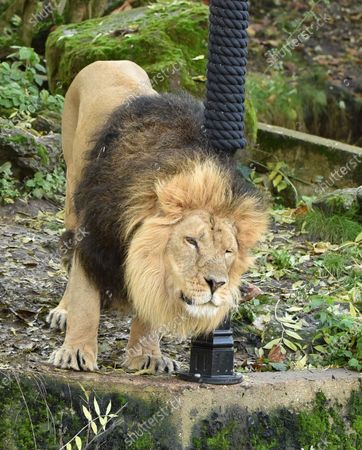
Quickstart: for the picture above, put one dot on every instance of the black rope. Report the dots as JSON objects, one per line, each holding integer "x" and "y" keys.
{"x": 225, "y": 95}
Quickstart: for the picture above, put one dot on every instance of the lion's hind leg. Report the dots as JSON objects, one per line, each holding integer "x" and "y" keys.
{"x": 143, "y": 350}
{"x": 79, "y": 351}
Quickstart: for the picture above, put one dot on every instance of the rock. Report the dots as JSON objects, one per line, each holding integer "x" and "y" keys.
{"x": 28, "y": 153}
{"x": 46, "y": 122}
{"x": 168, "y": 40}
{"x": 163, "y": 39}
{"x": 341, "y": 201}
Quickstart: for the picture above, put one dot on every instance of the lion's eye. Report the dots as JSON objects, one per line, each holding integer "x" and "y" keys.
{"x": 228, "y": 252}
{"x": 191, "y": 241}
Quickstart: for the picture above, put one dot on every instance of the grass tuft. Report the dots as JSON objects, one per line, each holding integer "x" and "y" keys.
{"x": 335, "y": 264}
{"x": 332, "y": 228}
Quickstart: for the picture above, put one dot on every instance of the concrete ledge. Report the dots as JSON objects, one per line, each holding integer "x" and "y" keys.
{"x": 162, "y": 412}
{"x": 310, "y": 157}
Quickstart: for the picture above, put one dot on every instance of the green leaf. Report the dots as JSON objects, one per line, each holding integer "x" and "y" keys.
{"x": 272, "y": 343}
{"x": 109, "y": 407}
{"x": 280, "y": 367}
{"x": 353, "y": 362}
{"x": 78, "y": 442}
{"x": 294, "y": 335}
{"x": 94, "y": 427}
{"x": 272, "y": 175}
{"x": 290, "y": 344}
{"x": 281, "y": 186}
{"x": 320, "y": 348}
{"x": 87, "y": 413}
{"x": 96, "y": 407}
{"x": 103, "y": 421}
{"x": 277, "y": 180}
{"x": 25, "y": 53}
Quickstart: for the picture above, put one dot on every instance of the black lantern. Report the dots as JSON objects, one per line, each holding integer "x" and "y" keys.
{"x": 212, "y": 358}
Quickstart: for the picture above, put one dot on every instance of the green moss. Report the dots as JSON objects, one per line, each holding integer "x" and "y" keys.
{"x": 161, "y": 38}
{"x": 145, "y": 442}
{"x": 218, "y": 441}
{"x": 323, "y": 426}
{"x": 52, "y": 411}
{"x": 355, "y": 415}
{"x": 168, "y": 39}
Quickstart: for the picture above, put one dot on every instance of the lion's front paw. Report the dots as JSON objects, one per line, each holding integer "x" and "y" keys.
{"x": 154, "y": 364}
{"x": 74, "y": 358}
{"x": 57, "y": 318}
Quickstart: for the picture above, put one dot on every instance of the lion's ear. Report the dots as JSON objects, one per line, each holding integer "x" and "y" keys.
{"x": 251, "y": 221}
{"x": 172, "y": 197}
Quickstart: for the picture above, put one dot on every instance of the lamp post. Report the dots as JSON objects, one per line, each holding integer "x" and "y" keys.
{"x": 212, "y": 356}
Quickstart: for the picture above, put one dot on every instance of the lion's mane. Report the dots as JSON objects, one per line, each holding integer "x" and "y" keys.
{"x": 148, "y": 166}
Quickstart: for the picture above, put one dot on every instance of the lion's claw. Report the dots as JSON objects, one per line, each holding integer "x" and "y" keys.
{"x": 155, "y": 364}
{"x": 57, "y": 318}
{"x": 73, "y": 358}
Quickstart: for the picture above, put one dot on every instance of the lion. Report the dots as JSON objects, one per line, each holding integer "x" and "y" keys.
{"x": 157, "y": 222}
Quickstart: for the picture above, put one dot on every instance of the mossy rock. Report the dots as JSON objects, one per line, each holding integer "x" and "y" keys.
{"x": 168, "y": 39}
{"x": 28, "y": 153}
{"x": 323, "y": 426}
{"x": 46, "y": 413}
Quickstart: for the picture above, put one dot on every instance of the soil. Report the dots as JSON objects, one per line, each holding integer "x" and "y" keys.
{"x": 32, "y": 282}
{"x": 336, "y": 45}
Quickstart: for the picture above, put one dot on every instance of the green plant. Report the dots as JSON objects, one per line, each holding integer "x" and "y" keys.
{"x": 288, "y": 101}
{"x": 96, "y": 426}
{"x": 334, "y": 264}
{"x": 345, "y": 265}
{"x": 21, "y": 82}
{"x": 338, "y": 340}
{"x": 281, "y": 259}
{"x": 8, "y": 186}
{"x": 50, "y": 186}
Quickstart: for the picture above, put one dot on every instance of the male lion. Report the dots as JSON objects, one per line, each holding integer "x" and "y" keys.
{"x": 155, "y": 219}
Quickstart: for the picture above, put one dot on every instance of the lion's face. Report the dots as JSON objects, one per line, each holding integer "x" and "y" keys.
{"x": 190, "y": 249}
{"x": 200, "y": 255}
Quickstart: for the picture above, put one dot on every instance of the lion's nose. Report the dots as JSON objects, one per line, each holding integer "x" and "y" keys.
{"x": 214, "y": 284}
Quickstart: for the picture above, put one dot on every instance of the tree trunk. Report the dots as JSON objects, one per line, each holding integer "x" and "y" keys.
{"x": 78, "y": 10}
{"x": 24, "y": 9}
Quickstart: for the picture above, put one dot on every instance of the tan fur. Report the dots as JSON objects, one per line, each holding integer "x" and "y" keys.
{"x": 208, "y": 194}
{"x": 197, "y": 202}
{"x": 83, "y": 312}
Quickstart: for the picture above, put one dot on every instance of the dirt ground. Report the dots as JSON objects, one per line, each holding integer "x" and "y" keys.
{"x": 335, "y": 42}
{"x": 32, "y": 282}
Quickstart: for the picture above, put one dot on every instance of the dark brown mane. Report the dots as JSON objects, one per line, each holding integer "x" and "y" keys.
{"x": 148, "y": 139}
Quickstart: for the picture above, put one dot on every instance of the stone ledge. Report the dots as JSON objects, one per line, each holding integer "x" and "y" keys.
{"x": 325, "y": 157}
{"x": 187, "y": 407}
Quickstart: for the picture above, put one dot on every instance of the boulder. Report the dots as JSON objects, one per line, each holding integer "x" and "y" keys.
{"x": 169, "y": 40}
{"x": 28, "y": 152}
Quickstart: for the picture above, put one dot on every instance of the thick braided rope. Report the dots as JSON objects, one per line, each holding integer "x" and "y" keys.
{"x": 225, "y": 95}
